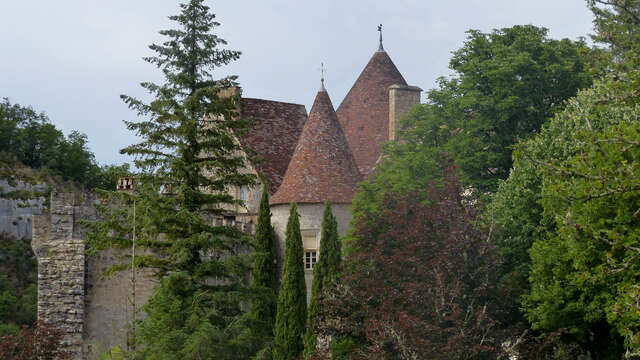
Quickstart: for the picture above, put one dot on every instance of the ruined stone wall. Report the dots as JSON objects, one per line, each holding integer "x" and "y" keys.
{"x": 93, "y": 311}
{"x": 61, "y": 269}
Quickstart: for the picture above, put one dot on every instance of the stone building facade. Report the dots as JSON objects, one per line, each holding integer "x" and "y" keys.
{"x": 303, "y": 159}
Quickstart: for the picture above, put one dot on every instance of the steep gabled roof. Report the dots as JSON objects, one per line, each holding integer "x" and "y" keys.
{"x": 273, "y": 137}
{"x": 322, "y": 167}
{"x": 364, "y": 112}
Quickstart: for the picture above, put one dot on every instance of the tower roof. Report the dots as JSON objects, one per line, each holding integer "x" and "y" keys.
{"x": 322, "y": 166}
{"x": 273, "y": 137}
{"x": 364, "y": 112}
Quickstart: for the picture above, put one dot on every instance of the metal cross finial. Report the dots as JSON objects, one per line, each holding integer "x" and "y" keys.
{"x": 380, "y": 48}
{"x": 322, "y": 77}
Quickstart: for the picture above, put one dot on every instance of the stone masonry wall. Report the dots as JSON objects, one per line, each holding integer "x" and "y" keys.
{"x": 16, "y": 210}
{"x": 61, "y": 270}
{"x": 401, "y": 100}
{"x": 93, "y": 312}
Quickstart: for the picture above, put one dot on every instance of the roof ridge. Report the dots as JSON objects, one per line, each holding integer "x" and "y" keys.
{"x": 274, "y": 101}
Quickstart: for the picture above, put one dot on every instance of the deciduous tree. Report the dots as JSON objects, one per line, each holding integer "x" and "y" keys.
{"x": 418, "y": 284}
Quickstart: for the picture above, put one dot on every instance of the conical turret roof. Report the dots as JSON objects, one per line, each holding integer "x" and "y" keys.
{"x": 322, "y": 166}
{"x": 364, "y": 112}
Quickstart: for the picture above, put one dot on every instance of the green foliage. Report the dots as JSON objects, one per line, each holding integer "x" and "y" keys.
{"x": 115, "y": 353}
{"x": 189, "y": 157}
{"x": 592, "y": 195}
{"x": 263, "y": 307}
{"x": 506, "y": 84}
{"x": 18, "y": 291}
{"x": 509, "y": 83}
{"x": 325, "y": 273}
{"x": 616, "y": 23}
{"x": 30, "y": 138}
{"x": 340, "y": 348}
{"x": 185, "y": 320}
{"x": 570, "y": 204}
{"x": 521, "y": 215}
{"x": 107, "y": 177}
{"x": 292, "y": 299}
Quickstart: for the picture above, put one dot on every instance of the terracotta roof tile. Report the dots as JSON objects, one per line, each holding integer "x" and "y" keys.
{"x": 322, "y": 166}
{"x": 364, "y": 112}
{"x": 274, "y": 136}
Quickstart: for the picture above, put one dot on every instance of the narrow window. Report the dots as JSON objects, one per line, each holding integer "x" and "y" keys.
{"x": 310, "y": 258}
{"x": 243, "y": 195}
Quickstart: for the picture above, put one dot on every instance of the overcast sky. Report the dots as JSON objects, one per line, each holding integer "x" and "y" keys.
{"x": 73, "y": 58}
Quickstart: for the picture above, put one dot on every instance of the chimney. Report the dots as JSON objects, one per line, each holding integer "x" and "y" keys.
{"x": 230, "y": 92}
{"x": 401, "y": 99}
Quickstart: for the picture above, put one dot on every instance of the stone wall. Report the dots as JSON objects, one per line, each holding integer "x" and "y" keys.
{"x": 60, "y": 251}
{"x": 108, "y": 307}
{"x": 93, "y": 311}
{"x": 19, "y": 201}
{"x": 401, "y": 99}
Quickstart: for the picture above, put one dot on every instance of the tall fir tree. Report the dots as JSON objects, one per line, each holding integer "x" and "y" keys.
{"x": 189, "y": 157}
{"x": 292, "y": 300}
{"x": 325, "y": 272}
{"x": 263, "y": 308}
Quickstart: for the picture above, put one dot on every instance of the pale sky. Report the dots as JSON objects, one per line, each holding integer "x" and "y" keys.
{"x": 73, "y": 58}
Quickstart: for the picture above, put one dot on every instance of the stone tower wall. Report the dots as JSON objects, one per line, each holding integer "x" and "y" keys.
{"x": 401, "y": 99}
{"x": 310, "y": 221}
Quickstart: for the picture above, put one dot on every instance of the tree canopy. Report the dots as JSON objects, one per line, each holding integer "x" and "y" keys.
{"x": 565, "y": 218}
{"x": 505, "y": 85}
{"x": 418, "y": 283}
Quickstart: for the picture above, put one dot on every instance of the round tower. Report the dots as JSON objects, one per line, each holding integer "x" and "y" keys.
{"x": 370, "y": 111}
{"x": 322, "y": 168}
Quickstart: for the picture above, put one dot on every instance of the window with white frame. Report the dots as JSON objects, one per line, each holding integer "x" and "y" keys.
{"x": 310, "y": 243}
{"x": 310, "y": 259}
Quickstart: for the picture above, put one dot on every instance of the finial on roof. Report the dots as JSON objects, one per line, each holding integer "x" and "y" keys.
{"x": 380, "y": 48}
{"x": 322, "y": 77}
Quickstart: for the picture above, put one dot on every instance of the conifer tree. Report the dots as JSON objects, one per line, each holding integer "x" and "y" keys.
{"x": 292, "y": 300}
{"x": 189, "y": 158}
{"x": 325, "y": 272}
{"x": 263, "y": 308}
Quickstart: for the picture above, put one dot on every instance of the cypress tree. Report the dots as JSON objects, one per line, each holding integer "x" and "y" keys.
{"x": 292, "y": 300}
{"x": 325, "y": 272}
{"x": 263, "y": 307}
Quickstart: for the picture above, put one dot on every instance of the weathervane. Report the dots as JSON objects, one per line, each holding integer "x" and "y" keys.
{"x": 322, "y": 77}
{"x": 380, "y": 48}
